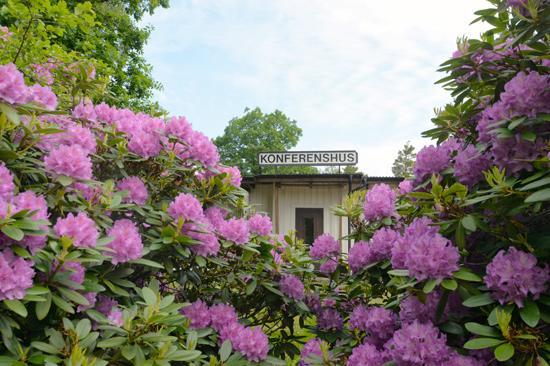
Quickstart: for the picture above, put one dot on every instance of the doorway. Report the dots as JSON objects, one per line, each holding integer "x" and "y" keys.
{"x": 309, "y": 223}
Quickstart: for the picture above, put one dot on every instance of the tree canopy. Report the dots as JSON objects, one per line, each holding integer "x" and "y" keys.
{"x": 254, "y": 132}
{"x": 107, "y": 34}
{"x": 404, "y": 163}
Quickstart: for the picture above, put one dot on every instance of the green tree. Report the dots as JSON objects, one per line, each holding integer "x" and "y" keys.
{"x": 254, "y": 132}
{"x": 404, "y": 163}
{"x": 107, "y": 34}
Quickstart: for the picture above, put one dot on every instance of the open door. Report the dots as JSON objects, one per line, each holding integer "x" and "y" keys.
{"x": 309, "y": 223}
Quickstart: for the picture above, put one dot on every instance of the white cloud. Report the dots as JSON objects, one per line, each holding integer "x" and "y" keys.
{"x": 354, "y": 73}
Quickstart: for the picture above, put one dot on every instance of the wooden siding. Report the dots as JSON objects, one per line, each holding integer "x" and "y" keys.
{"x": 290, "y": 197}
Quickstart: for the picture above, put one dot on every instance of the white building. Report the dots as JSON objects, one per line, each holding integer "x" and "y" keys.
{"x": 303, "y": 202}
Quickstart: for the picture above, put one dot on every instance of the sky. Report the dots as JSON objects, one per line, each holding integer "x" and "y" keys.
{"x": 355, "y": 74}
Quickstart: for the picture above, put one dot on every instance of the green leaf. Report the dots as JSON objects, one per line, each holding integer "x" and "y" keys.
{"x": 530, "y": 313}
{"x": 478, "y": 300}
{"x": 64, "y": 180}
{"x": 482, "y": 330}
{"x": 38, "y": 290}
{"x": 536, "y": 184}
{"x": 466, "y": 275}
{"x": 529, "y": 136}
{"x": 251, "y": 286}
{"x": 147, "y": 262}
{"x": 399, "y": 272}
{"x": 225, "y": 350}
{"x": 112, "y": 342}
{"x": 469, "y": 223}
{"x": 201, "y": 262}
{"x": 504, "y": 352}
{"x": 62, "y": 304}
{"x": 83, "y": 327}
{"x": 542, "y": 195}
{"x": 449, "y": 284}
{"x": 17, "y": 307}
{"x": 452, "y": 328}
{"x": 184, "y": 355}
{"x": 13, "y": 232}
{"x": 45, "y": 347}
{"x": 149, "y": 296}
{"x": 429, "y": 286}
{"x": 43, "y": 308}
{"x": 73, "y": 296}
{"x": 480, "y": 343}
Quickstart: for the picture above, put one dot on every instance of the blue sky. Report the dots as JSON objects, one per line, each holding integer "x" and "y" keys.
{"x": 355, "y": 74}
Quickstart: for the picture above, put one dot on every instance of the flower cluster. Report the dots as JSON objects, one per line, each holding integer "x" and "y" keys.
{"x": 418, "y": 344}
{"x": 425, "y": 252}
{"x": 378, "y": 322}
{"x": 430, "y": 160}
{"x": 312, "y": 347}
{"x": 16, "y": 276}
{"x": 251, "y": 342}
{"x": 469, "y": 165}
{"x": 137, "y": 191}
{"x": 14, "y": 91}
{"x": 80, "y": 229}
{"x": 235, "y": 230}
{"x": 379, "y": 202}
{"x": 198, "y": 314}
{"x": 260, "y": 224}
{"x": 367, "y": 355}
{"x": 513, "y": 275}
{"x": 126, "y": 243}
{"x": 186, "y": 207}
{"x": 291, "y": 286}
{"x": 325, "y": 248}
{"x": 526, "y": 94}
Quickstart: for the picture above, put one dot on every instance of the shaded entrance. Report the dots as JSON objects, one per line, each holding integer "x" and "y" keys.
{"x": 309, "y": 223}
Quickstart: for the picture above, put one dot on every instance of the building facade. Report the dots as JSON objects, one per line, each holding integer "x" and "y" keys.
{"x": 303, "y": 202}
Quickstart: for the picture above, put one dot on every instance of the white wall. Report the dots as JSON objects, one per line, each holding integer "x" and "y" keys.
{"x": 292, "y": 197}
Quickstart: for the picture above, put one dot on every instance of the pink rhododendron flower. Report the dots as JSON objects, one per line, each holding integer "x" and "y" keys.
{"x": 260, "y": 224}
{"x": 513, "y": 275}
{"x": 43, "y": 96}
{"x": 80, "y": 228}
{"x": 329, "y": 319}
{"x": 145, "y": 144}
{"x": 430, "y": 160}
{"x": 179, "y": 127}
{"x": 30, "y": 201}
{"x": 137, "y": 191}
{"x": 127, "y": 243}
{"x": 6, "y": 183}
{"x": 252, "y": 343}
{"x": 233, "y": 175}
{"x": 198, "y": 314}
{"x": 215, "y": 216}
{"x": 379, "y": 202}
{"x": 85, "y": 110}
{"x": 324, "y": 246}
{"x": 186, "y": 207}
{"x": 71, "y": 161}
{"x": 312, "y": 347}
{"x": 418, "y": 344}
{"x": 367, "y": 355}
{"x": 406, "y": 187}
{"x": 235, "y": 230}
{"x": 115, "y": 317}
{"x": 222, "y": 315}
{"x": 12, "y": 85}
{"x": 292, "y": 287}
{"x": 16, "y": 276}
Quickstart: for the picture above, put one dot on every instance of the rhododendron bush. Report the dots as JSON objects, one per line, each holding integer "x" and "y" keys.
{"x": 124, "y": 241}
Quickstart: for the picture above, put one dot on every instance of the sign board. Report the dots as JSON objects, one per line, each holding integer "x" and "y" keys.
{"x": 344, "y": 157}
